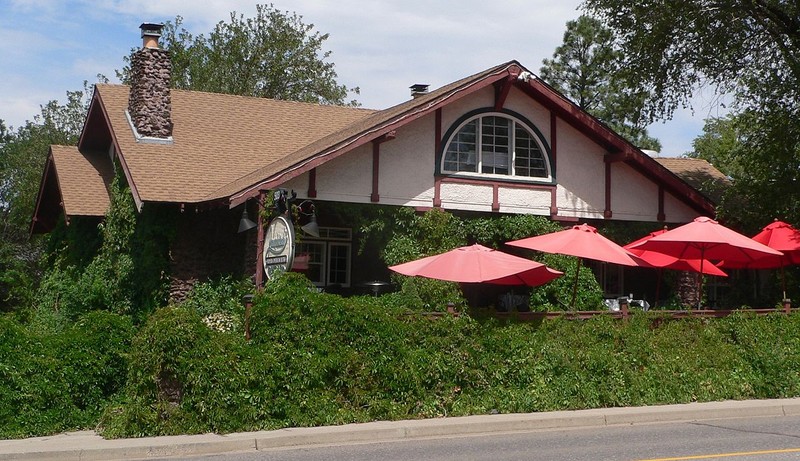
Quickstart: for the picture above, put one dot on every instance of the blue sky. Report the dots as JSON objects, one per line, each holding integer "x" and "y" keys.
{"x": 49, "y": 47}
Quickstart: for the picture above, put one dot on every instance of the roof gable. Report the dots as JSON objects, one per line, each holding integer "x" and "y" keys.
{"x": 228, "y": 148}
{"x": 76, "y": 182}
{"x": 216, "y": 140}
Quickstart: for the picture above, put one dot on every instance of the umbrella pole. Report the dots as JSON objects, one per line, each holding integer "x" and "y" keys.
{"x": 658, "y": 286}
{"x": 575, "y": 286}
{"x": 783, "y": 280}
{"x": 700, "y": 282}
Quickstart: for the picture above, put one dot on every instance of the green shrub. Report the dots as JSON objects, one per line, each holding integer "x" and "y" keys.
{"x": 220, "y": 302}
{"x": 320, "y": 359}
{"x": 56, "y": 381}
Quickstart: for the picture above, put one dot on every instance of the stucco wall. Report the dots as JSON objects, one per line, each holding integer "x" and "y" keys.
{"x": 408, "y": 162}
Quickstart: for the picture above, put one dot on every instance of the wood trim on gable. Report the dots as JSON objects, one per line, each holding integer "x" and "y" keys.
{"x": 362, "y": 138}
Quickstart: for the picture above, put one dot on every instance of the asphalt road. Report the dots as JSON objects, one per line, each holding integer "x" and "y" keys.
{"x": 747, "y": 429}
{"x": 739, "y": 439}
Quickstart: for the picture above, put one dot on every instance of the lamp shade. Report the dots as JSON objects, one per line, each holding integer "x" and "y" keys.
{"x": 311, "y": 228}
{"x": 245, "y": 224}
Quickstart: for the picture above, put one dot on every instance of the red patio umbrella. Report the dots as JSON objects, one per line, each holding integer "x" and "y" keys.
{"x": 582, "y": 241}
{"x": 780, "y": 236}
{"x": 662, "y": 261}
{"x": 706, "y": 239}
{"x": 476, "y": 264}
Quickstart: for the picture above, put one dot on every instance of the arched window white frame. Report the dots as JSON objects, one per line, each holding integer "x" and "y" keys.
{"x": 496, "y": 145}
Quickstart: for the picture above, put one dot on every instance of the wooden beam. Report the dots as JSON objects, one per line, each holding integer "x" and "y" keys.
{"x": 312, "y": 183}
{"x": 262, "y": 197}
{"x": 501, "y": 90}
{"x": 553, "y": 142}
{"x": 376, "y": 159}
{"x": 615, "y": 157}
{"x": 607, "y": 212}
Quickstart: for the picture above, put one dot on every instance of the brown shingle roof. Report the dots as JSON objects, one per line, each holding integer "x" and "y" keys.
{"x": 692, "y": 169}
{"x": 83, "y": 180}
{"x": 365, "y": 129}
{"x": 698, "y": 173}
{"x": 217, "y": 139}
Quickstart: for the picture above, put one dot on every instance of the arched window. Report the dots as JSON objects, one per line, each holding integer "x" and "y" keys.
{"x": 495, "y": 144}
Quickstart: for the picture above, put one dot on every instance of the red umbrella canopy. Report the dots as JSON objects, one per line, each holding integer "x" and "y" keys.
{"x": 582, "y": 241}
{"x": 661, "y": 260}
{"x": 779, "y": 236}
{"x": 477, "y": 263}
{"x": 705, "y": 238}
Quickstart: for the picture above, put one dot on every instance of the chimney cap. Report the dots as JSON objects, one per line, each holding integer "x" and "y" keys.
{"x": 419, "y": 89}
{"x": 151, "y": 29}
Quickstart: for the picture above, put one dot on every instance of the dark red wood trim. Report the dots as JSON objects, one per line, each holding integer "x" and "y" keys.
{"x": 437, "y": 192}
{"x": 312, "y": 183}
{"x": 661, "y": 215}
{"x": 501, "y": 91}
{"x": 616, "y": 157}
{"x": 601, "y": 134}
{"x": 437, "y": 131}
{"x": 553, "y": 141}
{"x": 495, "y": 198}
{"x": 481, "y": 182}
{"x": 437, "y": 142}
{"x": 565, "y": 218}
{"x": 40, "y": 196}
{"x": 262, "y": 196}
{"x": 607, "y": 212}
{"x": 362, "y": 138}
{"x": 376, "y": 158}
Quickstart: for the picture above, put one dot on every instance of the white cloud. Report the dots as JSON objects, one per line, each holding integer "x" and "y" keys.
{"x": 48, "y": 47}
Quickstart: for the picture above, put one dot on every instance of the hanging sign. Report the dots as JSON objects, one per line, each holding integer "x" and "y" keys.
{"x": 278, "y": 247}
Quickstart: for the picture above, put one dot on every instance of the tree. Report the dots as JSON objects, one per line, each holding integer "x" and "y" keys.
{"x": 273, "y": 55}
{"x": 749, "y": 50}
{"x": 586, "y": 69}
{"x": 759, "y": 152}
{"x": 22, "y": 157}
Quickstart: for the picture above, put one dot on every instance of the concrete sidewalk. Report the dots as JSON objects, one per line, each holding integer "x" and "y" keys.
{"x": 86, "y": 445}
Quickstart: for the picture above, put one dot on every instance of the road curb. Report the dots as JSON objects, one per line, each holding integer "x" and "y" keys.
{"x": 88, "y": 446}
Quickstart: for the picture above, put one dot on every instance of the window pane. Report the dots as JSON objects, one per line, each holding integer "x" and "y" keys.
{"x": 338, "y": 263}
{"x": 316, "y": 261}
{"x": 460, "y": 155}
{"x": 495, "y": 146}
{"x": 528, "y": 157}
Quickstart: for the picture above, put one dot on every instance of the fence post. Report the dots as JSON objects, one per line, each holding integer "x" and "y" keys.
{"x": 787, "y": 305}
{"x": 248, "y": 306}
{"x": 623, "y": 306}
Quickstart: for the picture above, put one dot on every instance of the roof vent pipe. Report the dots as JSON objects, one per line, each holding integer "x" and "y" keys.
{"x": 419, "y": 89}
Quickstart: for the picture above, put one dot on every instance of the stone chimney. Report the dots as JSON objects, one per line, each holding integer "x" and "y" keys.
{"x": 150, "y": 103}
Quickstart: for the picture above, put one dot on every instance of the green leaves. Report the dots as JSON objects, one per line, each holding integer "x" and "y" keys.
{"x": 272, "y": 55}
{"x": 587, "y": 68}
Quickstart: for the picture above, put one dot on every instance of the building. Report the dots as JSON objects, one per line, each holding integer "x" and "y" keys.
{"x": 499, "y": 141}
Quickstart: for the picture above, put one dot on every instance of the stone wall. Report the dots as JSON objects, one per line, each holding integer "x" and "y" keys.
{"x": 207, "y": 245}
{"x": 150, "y": 102}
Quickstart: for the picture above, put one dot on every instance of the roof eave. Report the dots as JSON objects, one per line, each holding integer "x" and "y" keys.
{"x": 414, "y": 112}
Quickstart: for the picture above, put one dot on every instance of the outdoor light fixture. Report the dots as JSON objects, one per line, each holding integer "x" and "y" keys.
{"x": 307, "y": 208}
{"x": 245, "y": 224}
{"x": 282, "y": 202}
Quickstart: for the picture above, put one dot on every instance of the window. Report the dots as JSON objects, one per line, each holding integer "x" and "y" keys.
{"x": 495, "y": 145}
{"x": 328, "y": 257}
